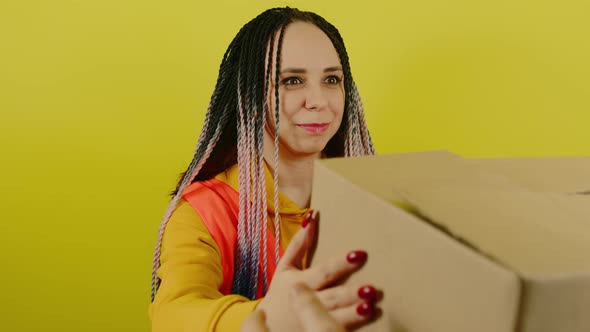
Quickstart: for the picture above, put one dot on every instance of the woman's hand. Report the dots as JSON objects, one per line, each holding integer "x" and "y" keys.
{"x": 348, "y": 305}
{"x": 310, "y": 313}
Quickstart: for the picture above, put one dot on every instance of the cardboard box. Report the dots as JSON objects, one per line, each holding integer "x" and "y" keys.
{"x": 463, "y": 245}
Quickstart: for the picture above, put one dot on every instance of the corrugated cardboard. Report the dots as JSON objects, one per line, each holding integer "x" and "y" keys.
{"x": 458, "y": 245}
{"x": 558, "y": 175}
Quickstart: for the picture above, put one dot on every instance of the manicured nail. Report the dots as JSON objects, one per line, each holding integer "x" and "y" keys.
{"x": 357, "y": 257}
{"x": 368, "y": 293}
{"x": 365, "y": 309}
{"x": 307, "y": 219}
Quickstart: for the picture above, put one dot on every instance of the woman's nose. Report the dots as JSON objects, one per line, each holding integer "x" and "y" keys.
{"x": 315, "y": 98}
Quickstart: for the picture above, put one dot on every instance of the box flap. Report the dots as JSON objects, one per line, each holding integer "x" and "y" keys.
{"x": 559, "y": 174}
{"x": 386, "y": 176}
{"x": 532, "y": 233}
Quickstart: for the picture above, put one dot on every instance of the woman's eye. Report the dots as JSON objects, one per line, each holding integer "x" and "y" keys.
{"x": 291, "y": 81}
{"x": 333, "y": 80}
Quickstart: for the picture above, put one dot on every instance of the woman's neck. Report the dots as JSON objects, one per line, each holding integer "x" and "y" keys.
{"x": 295, "y": 175}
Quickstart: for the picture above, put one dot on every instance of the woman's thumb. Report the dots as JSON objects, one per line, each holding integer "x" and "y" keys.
{"x": 300, "y": 243}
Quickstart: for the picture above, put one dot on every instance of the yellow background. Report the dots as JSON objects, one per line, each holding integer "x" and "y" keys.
{"x": 101, "y": 103}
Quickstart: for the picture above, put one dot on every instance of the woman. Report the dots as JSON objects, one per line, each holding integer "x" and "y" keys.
{"x": 284, "y": 97}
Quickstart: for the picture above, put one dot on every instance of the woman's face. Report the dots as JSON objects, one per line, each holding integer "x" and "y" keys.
{"x": 311, "y": 92}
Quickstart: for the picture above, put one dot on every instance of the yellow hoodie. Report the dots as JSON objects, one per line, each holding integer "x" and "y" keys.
{"x": 188, "y": 298}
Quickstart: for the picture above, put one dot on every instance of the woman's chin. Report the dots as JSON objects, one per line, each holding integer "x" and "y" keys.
{"x": 309, "y": 150}
{"x": 302, "y": 148}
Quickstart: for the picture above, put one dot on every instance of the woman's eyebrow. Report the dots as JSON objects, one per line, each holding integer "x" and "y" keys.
{"x": 331, "y": 69}
{"x": 303, "y": 71}
{"x": 294, "y": 70}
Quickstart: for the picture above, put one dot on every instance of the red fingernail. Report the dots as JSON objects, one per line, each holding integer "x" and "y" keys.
{"x": 357, "y": 257}
{"x": 365, "y": 309}
{"x": 307, "y": 219}
{"x": 368, "y": 293}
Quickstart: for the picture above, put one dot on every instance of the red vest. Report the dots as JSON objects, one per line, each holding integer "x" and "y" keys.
{"x": 218, "y": 204}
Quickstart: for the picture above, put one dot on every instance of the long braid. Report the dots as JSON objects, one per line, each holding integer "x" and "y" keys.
{"x": 254, "y": 187}
{"x": 367, "y": 140}
{"x": 258, "y": 129}
{"x": 261, "y": 222}
{"x": 244, "y": 162}
{"x": 265, "y": 111}
{"x": 241, "y": 281}
{"x": 276, "y": 147}
{"x": 258, "y": 215}
{"x": 353, "y": 120}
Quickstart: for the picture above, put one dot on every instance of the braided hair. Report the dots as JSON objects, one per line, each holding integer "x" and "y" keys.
{"x": 233, "y": 133}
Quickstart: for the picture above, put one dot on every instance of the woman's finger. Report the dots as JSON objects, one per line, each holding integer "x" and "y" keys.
{"x": 346, "y": 295}
{"x": 356, "y": 315}
{"x": 256, "y": 322}
{"x": 312, "y": 315}
{"x": 320, "y": 276}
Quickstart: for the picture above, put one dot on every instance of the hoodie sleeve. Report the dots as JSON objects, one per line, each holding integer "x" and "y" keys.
{"x": 191, "y": 274}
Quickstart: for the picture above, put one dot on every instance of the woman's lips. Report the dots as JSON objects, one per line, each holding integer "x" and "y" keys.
{"x": 316, "y": 128}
